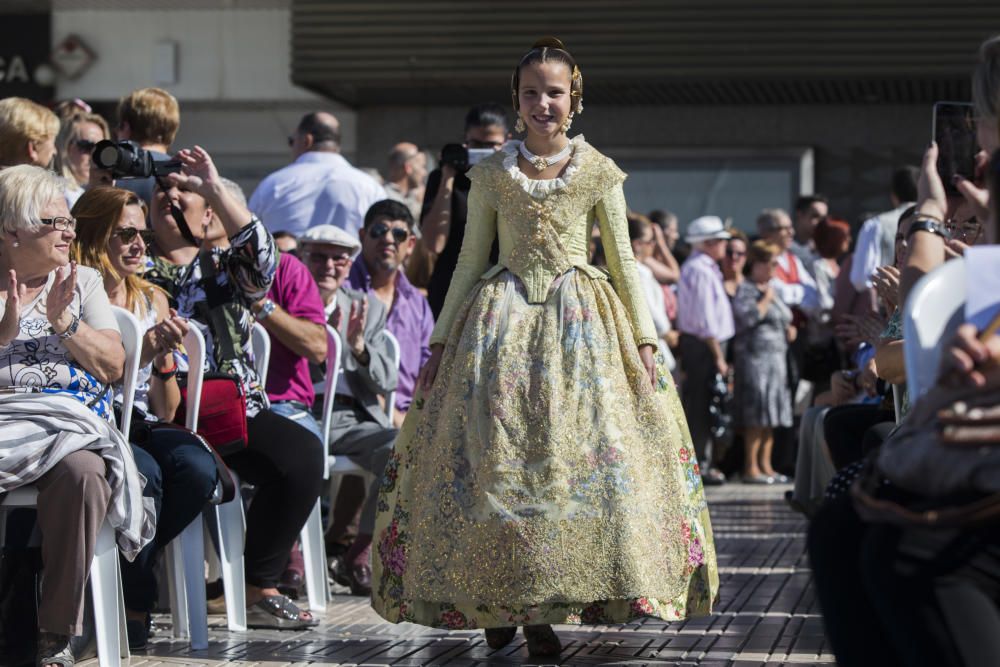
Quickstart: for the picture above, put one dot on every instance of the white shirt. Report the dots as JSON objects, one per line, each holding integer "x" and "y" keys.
{"x": 658, "y": 310}
{"x": 868, "y": 251}
{"x": 803, "y": 293}
{"x": 319, "y": 188}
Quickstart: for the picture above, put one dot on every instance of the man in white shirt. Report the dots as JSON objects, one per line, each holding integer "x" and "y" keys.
{"x": 876, "y": 240}
{"x": 320, "y": 187}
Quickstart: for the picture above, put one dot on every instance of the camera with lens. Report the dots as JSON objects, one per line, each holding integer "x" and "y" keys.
{"x": 127, "y": 159}
{"x": 461, "y": 158}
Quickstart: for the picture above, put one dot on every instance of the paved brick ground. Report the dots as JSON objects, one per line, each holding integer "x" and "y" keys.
{"x": 768, "y": 614}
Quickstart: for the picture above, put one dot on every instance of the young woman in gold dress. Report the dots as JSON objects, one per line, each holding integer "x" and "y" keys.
{"x": 545, "y": 473}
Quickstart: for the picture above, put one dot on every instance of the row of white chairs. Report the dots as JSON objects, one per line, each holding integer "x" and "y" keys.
{"x": 186, "y": 554}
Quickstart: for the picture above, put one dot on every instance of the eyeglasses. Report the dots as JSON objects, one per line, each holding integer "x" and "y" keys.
{"x": 128, "y": 234}
{"x": 323, "y": 258}
{"x": 378, "y": 230}
{"x": 85, "y": 145}
{"x": 60, "y": 224}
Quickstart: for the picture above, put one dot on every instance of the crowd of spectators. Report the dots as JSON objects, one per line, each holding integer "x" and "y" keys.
{"x": 786, "y": 344}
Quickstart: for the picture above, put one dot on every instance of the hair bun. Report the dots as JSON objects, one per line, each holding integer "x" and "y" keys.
{"x": 550, "y": 42}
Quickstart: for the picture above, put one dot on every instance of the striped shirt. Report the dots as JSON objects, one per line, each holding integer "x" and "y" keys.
{"x": 703, "y": 307}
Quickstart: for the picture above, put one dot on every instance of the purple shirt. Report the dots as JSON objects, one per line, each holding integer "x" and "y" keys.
{"x": 410, "y": 321}
{"x": 296, "y": 292}
{"x": 703, "y": 307}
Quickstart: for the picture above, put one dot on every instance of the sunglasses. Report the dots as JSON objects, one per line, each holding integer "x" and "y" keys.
{"x": 85, "y": 145}
{"x": 128, "y": 234}
{"x": 378, "y": 230}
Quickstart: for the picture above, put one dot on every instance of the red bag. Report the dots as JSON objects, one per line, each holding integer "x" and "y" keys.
{"x": 222, "y": 418}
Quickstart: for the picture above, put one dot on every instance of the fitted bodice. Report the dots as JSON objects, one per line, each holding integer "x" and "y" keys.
{"x": 543, "y": 229}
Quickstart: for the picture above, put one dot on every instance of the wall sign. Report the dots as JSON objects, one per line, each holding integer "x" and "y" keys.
{"x": 25, "y": 41}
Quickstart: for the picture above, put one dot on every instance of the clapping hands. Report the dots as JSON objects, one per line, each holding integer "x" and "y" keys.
{"x": 10, "y": 323}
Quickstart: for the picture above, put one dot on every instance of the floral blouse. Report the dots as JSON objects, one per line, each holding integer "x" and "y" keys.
{"x": 242, "y": 275}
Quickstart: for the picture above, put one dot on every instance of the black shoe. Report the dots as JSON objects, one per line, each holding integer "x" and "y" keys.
{"x": 138, "y": 633}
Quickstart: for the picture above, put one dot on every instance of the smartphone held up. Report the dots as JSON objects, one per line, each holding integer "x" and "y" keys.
{"x": 954, "y": 131}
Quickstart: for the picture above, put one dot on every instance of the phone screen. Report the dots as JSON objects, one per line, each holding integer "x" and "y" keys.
{"x": 955, "y": 134}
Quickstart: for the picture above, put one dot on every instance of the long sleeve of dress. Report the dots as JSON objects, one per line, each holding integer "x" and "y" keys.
{"x": 621, "y": 263}
{"x": 473, "y": 260}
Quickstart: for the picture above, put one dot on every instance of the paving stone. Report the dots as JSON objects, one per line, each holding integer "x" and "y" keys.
{"x": 767, "y": 614}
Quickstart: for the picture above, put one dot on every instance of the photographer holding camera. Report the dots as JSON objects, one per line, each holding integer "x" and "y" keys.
{"x": 442, "y": 220}
{"x": 149, "y": 118}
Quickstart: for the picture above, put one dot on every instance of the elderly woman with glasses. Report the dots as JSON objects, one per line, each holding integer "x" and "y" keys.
{"x": 60, "y": 350}
{"x": 75, "y": 144}
{"x": 180, "y": 469}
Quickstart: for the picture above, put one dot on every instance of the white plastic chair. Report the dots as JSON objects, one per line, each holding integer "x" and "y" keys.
{"x": 933, "y": 310}
{"x": 185, "y": 555}
{"x": 105, "y": 575}
{"x": 342, "y": 465}
{"x": 260, "y": 343}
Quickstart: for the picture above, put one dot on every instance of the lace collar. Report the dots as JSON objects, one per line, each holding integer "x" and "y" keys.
{"x": 541, "y": 187}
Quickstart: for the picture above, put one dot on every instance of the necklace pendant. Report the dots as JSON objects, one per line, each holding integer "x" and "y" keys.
{"x": 540, "y": 163}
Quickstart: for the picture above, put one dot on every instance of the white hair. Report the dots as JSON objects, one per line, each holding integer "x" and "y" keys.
{"x": 24, "y": 191}
{"x": 234, "y": 190}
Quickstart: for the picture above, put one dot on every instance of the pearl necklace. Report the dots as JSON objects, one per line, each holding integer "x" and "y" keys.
{"x": 542, "y": 162}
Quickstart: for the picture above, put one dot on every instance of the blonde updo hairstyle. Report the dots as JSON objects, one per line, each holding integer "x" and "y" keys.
{"x": 547, "y": 50}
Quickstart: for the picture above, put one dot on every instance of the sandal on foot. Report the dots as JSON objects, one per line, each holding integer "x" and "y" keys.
{"x": 277, "y": 612}
{"x": 55, "y": 649}
{"x": 542, "y": 640}
{"x": 497, "y": 638}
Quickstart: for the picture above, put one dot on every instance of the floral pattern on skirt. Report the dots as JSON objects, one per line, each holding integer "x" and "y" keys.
{"x": 543, "y": 479}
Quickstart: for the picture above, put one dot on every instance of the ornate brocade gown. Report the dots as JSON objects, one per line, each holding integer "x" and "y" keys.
{"x": 542, "y": 479}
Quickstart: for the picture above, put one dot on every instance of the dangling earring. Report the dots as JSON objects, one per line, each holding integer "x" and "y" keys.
{"x": 567, "y": 123}
{"x": 519, "y": 125}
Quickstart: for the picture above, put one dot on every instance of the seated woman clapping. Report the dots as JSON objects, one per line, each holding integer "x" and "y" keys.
{"x": 179, "y": 467}
{"x": 59, "y": 352}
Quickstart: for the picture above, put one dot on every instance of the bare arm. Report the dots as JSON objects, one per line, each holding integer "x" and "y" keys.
{"x": 159, "y": 344}
{"x": 437, "y": 223}
{"x": 301, "y": 336}
{"x": 663, "y": 264}
{"x": 889, "y": 361}
{"x": 926, "y": 249}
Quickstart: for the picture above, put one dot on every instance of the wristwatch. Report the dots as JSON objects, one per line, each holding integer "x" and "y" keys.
{"x": 71, "y": 329}
{"x": 266, "y": 308}
{"x": 928, "y": 225}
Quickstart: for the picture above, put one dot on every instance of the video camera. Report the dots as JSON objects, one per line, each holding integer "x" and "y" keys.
{"x": 461, "y": 158}
{"x": 127, "y": 159}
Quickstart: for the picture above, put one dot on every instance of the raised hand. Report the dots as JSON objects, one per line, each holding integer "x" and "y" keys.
{"x": 356, "y": 321}
{"x": 60, "y": 297}
{"x": 10, "y": 323}
{"x": 886, "y": 282}
{"x": 198, "y": 172}
{"x": 336, "y": 317}
{"x": 931, "y": 197}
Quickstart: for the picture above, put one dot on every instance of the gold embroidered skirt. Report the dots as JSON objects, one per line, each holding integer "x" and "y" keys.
{"x": 543, "y": 479}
